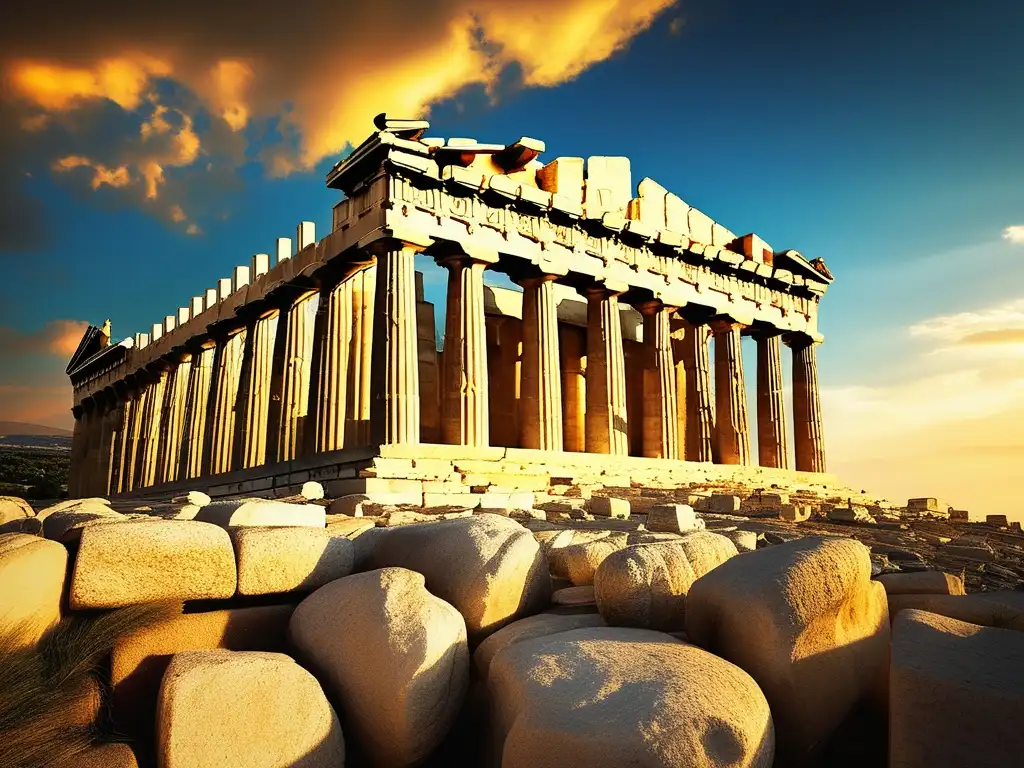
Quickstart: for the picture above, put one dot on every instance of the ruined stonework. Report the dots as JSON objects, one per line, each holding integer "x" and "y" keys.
{"x": 620, "y": 358}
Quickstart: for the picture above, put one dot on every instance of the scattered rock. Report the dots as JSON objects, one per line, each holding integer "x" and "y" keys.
{"x": 607, "y": 506}
{"x": 541, "y": 625}
{"x": 150, "y": 562}
{"x": 72, "y": 505}
{"x": 14, "y": 508}
{"x": 745, "y": 541}
{"x": 981, "y": 553}
{"x": 394, "y": 655}
{"x": 228, "y": 708}
{"x": 574, "y": 596}
{"x": 975, "y": 672}
{"x": 582, "y": 560}
{"x": 922, "y": 583}
{"x": 262, "y": 512}
{"x": 850, "y": 514}
{"x": 59, "y": 524}
{"x": 32, "y": 573}
{"x": 194, "y": 498}
{"x": 645, "y": 586}
{"x": 30, "y": 525}
{"x": 659, "y": 702}
{"x": 672, "y": 518}
{"x": 806, "y": 621}
{"x": 274, "y": 560}
{"x": 489, "y": 567}
{"x": 352, "y": 505}
{"x": 1004, "y": 610}
{"x": 795, "y": 513}
{"x": 723, "y": 504}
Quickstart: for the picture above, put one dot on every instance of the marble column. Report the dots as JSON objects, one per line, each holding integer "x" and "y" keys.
{"x": 572, "y": 351}
{"x": 464, "y": 407}
{"x": 173, "y": 437}
{"x": 660, "y": 414}
{"x": 807, "y": 426}
{"x": 294, "y": 411}
{"x": 732, "y": 431}
{"x": 541, "y": 390}
{"x": 607, "y": 430}
{"x": 145, "y": 474}
{"x": 360, "y": 356}
{"x": 227, "y": 373}
{"x": 395, "y": 412}
{"x": 335, "y": 329}
{"x": 772, "y": 446}
{"x": 197, "y": 399}
{"x": 253, "y": 426}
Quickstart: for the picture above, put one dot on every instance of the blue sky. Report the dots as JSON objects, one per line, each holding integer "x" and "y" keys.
{"x": 885, "y": 137}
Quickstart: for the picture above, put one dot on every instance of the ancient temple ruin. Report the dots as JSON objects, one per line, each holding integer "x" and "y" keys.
{"x": 620, "y": 357}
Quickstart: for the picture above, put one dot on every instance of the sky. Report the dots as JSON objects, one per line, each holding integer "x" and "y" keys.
{"x": 146, "y": 150}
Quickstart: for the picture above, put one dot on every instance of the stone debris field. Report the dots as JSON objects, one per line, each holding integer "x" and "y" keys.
{"x": 706, "y": 625}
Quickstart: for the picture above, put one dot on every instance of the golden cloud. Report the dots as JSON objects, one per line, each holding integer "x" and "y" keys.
{"x": 56, "y": 87}
{"x": 101, "y": 174}
{"x": 58, "y": 337}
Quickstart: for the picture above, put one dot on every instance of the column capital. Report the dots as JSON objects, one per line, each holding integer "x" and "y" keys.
{"x": 604, "y": 290}
{"x": 397, "y": 236}
{"x": 726, "y": 323}
{"x": 801, "y": 340}
{"x": 452, "y": 253}
{"x": 762, "y": 331}
{"x": 531, "y": 282}
{"x": 653, "y": 306}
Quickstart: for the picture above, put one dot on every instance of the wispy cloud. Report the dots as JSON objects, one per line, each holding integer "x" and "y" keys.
{"x": 58, "y": 337}
{"x": 1014, "y": 234}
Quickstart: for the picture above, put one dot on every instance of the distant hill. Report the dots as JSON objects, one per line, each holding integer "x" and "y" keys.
{"x": 20, "y": 428}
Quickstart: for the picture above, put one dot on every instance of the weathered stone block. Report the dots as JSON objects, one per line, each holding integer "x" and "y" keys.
{"x": 700, "y": 226}
{"x": 32, "y": 574}
{"x": 608, "y": 506}
{"x": 795, "y": 513}
{"x": 14, "y": 508}
{"x": 723, "y": 504}
{"x": 921, "y": 583}
{"x": 275, "y": 560}
{"x": 672, "y": 518}
{"x": 608, "y": 186}
{"x": 261, "y": 512}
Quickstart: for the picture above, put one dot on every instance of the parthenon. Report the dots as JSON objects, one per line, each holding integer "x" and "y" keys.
{"x": 623, "y": 348}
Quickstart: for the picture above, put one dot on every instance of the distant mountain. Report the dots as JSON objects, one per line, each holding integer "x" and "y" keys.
{"x": 20, "y": 428}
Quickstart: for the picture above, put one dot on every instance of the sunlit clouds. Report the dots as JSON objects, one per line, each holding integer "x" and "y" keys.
{"x": 1014, "y": 234}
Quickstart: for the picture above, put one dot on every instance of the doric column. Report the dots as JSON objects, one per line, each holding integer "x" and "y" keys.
{"x": 395, "y": 413}
{"x": 606, "y": 375}
{"x": 541, "y": 390}
{"x": 732, "y": 431}
{"x": 172, "y": 439}
{"x": 807, "y": 427}
{"x": 660, "y": 416}
{"x": 145, "y": 474}
{"x": 360, "y": 352}
{"x": 464, "y": 406}
{"x": 298, "y": 369}
{"x": 335, "y": 316}
{"x": 221, "y": 428}
{"x": 255, "y": 394}
{"x": 772, "y": 446}
{"x": 197, "y": 398}
{"x": 504, "y": 364}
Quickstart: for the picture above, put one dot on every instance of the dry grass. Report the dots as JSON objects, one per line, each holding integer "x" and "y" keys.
{"x": 41, "y": 687}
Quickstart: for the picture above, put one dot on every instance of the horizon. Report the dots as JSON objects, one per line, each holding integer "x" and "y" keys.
{"x": 138, "y": 172}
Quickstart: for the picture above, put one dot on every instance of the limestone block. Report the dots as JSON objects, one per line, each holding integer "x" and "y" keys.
{"x": 541, "y": 625}
{"x": 139, "y": 659}
{"x": 745, "y": 541}
{"x": 677, "y": 215}
{"x": 999, "y": 520}
{"x": 723, "y": 504}
{"x": 55, "y": 525}
{"x": 260, "y": 710}
{"x": 645, "y": 586}
{"x": 721, "y": 236}
{"x": 756, "y": 249}
{"x": 921, "y": 583}
{"x": 608, "y": 186}
{"x": 352, "y": 504}
{"x": 349, "y": 526}
{"x": 14, "y": 508}
{"x": 851, "y": 514}
{"x": 795, "y": 513}
{"x": 462, "y": 500}
{"x": 195, "y": 498}
{"x": 651, "y": 203}
{"x": 312, "y": 490}
{"x": 771, "y": 499}
{"x": 262, "y": 512}
{"x": 574, "y": 596}
{"x": 274, "y": 560}
{"x": 990, "y": 609}
{"x": 580, "y": 561}
{"x": 106, "y": 756}
{"x": 980, "y": 553}
{"x": 672, "y": 518}
{"x": 489, "y": 567}
{"x": 926, "y": 504}
{"x": 563, "y": 176}
{"x": 30, "y": 525}
{"x": 32, "y": 573}
{"x": 393, "y": 654}
{"x": 562, "y": 539}
{"x": 700, "y": 226}
{"x": 943, "y": 667}
{"x": 806, "y": 621}
{"x": 150, "y": 562}
{"x": 607, "y": 506}
{"x": 659, "y": 702}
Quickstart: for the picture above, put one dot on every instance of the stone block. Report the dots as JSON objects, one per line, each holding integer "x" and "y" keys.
{"x": 541, "y": 625}
{"x": 14, "y": 508}
{"x": 999, "y": 520}
{"x": 989, "y": 609}
{"x": 721, "y": 236}
{"x": 921, "y": 583}
{"x": 349, "y": 526}
{"x": 723, "y": 504}
{"x": 352, "y": 504}
{"x": 130, "y": 564}
{"x": 700, "y": 226}
{"x": 672, "y": 518}
{"x": 463, "y": 500}
{"x": 261, "y": 512}
{"x": 795, "y": 513}
{"x": 772, "y": 499}
{"x": 850, "y": 514}
{"x": 563, "y": 176}
{"x": 139, "y": 659}
{"x": 106, "y": 756}
{"x": 32, "y": 575}
{"x": 745, "y": 541}
{"x": 608, "y": 506}
{"x": 756, "y": 249}
{"x": 608, "y": 186}
{"x": 983, "y": 554}
{"x": 677, "y": 215}
{"x": 222, "y": 708}
{"x": 942, "y": 666}
{"x": 275, "y": 560}
{"x": 926, "y": 505}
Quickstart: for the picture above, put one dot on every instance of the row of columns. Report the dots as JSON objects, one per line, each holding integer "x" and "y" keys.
{"x": 339, "y": 367}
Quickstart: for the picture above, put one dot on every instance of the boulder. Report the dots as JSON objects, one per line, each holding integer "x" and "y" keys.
{"x": 808, "y": 624}
{"x": 29, "y": 525}
{"x": 645, "y": 586}
{"x": 541, "y": 625}
{"x": 392, "y": 654}
{"x": 723, "y": 504}
{"x": 921, "y": 583}
{"x": 32, "y": 574}
{"x": 672, "y": 518}
{"x": 1004, "y": 610}
{"x": 155, "y": 561}
{"x": 489, "y": 567}
{"x": 745, "y": 541}
{"x": 72, "y": 505}
{"x": 312, "y": 490}
{"x": 574, "y": 596}
{"x": 562, "y": 539}
{"x": 193, "y": 498}
{"x": 260, "y": 710}
{"x": 273, "y": 560}
{"x": 851, "y": 514}
{"x": 579, "y": 562}
{"x": 645, "y": 699}
{"x": 58, "y": 524}
{"x": 139, "y": 659}
{"x": 106, "y": 756}
{"x": 956, "y": 693}
{"x": 14, "y": 508}
{"x": 262, "y": 512}
{"x": 606, "y": 506}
